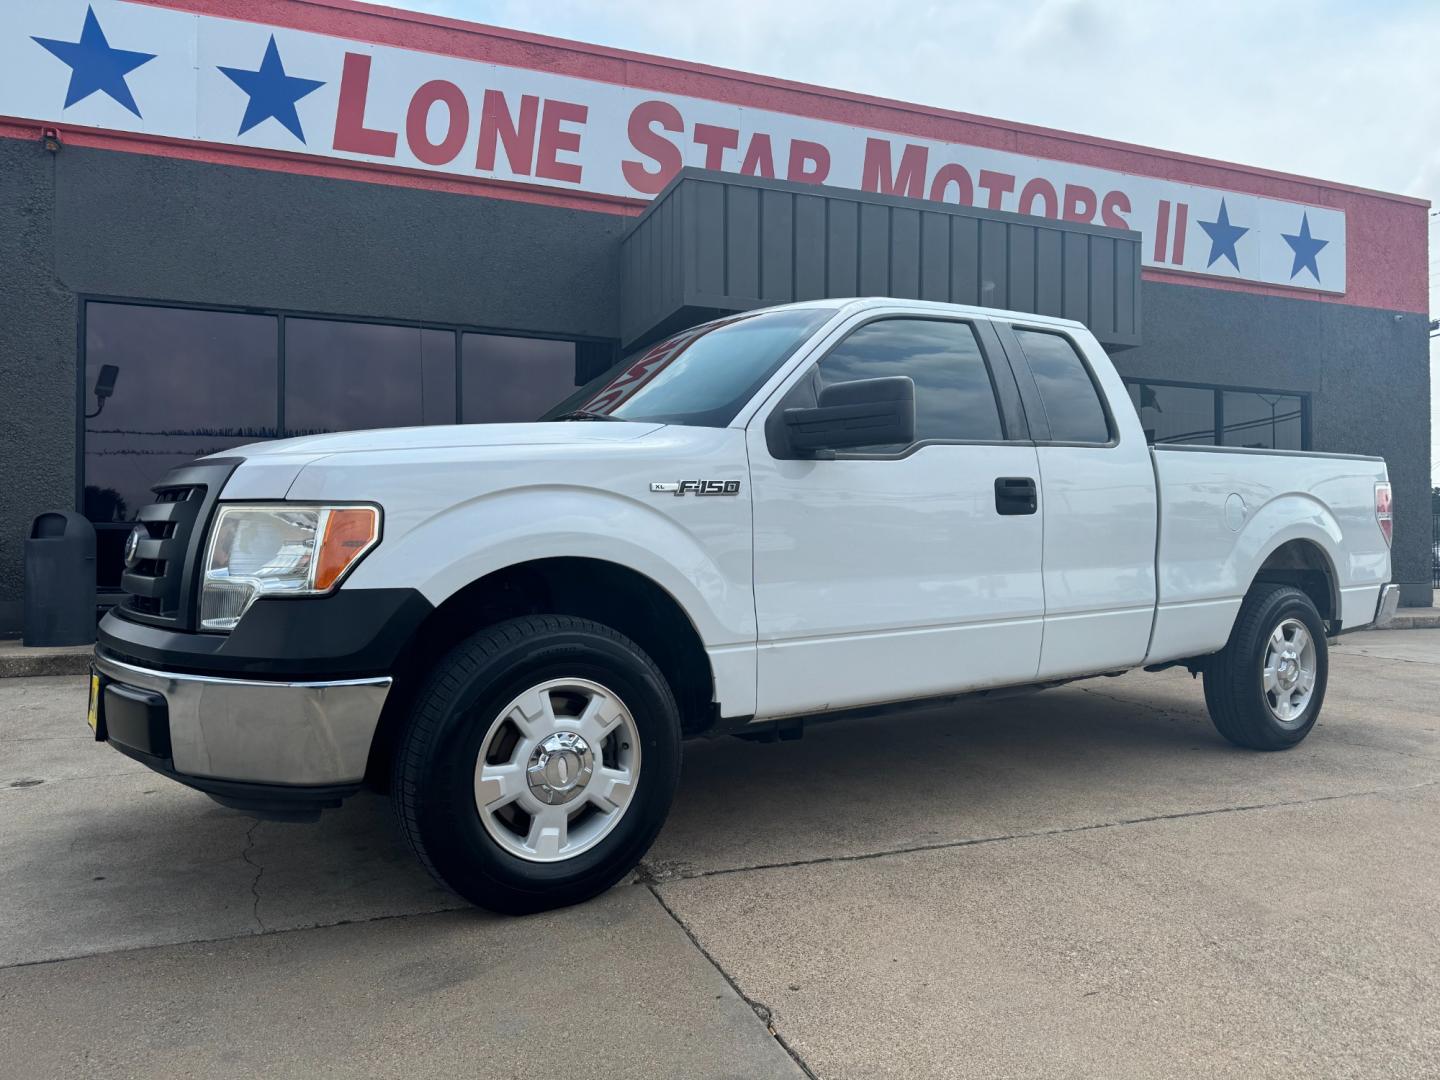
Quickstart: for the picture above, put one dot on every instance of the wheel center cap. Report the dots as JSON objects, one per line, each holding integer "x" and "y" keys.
{"x": 560, "y": 767}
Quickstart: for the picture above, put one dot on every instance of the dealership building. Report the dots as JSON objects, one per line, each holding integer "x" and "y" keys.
{"x": 324, "y": 216}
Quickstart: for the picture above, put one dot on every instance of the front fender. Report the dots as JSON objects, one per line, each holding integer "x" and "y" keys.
{"x": 703, "y": 561}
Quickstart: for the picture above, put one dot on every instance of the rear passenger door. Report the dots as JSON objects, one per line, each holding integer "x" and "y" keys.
{"x": 1098, "y": 488}
{"x": 897, "y": 572}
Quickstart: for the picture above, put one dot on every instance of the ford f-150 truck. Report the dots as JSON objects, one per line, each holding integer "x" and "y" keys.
{"x": 798, "y": 512}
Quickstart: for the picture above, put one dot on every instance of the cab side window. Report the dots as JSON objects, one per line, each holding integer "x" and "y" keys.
{"x": 1071, "y": 399}
{"x": 954, "y": 397}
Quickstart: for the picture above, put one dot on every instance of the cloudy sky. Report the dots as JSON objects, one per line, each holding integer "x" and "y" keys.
{"x": 1330, "y": 88}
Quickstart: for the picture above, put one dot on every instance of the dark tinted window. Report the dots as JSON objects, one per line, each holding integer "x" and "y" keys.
{"x": 344, "y": 376}
{"x": 1267, "y": 421}
{"x": 701, "y": 376}
{"x": 186, "y": 383}
{"x": 1072, "y": 403}
{"x": 513, "y": 378}
{"x": 1175, "y": 414}
{"x": 954, "y": 398}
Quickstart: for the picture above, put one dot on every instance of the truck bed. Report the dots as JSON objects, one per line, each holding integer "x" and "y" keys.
{"x": 1224, "y": 510}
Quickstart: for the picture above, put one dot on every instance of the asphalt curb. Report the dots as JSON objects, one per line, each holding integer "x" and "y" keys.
{"x": 18, "y": 662}
{"x": 1413, "y": 619}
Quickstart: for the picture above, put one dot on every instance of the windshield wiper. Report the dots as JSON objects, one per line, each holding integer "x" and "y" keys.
{"x": 586, "y": 414}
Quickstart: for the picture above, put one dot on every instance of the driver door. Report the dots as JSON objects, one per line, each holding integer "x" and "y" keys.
{"x": 896, "y": 572}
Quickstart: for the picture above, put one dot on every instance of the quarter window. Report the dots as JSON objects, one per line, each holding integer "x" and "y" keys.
{"x": 954, "y": 398}
{"x": 1071, "y": 401}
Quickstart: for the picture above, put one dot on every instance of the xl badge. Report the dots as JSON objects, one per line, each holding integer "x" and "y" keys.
{"x": 698, "y": 487}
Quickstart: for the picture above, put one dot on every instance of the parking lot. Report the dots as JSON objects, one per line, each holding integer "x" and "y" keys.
{"x": 1086, "y": 882}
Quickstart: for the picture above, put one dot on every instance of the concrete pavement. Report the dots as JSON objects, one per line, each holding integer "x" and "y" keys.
{"x": 1086, "y": 882}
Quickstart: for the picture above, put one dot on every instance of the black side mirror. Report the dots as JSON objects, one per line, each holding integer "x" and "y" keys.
{"x": 865, "y": 412}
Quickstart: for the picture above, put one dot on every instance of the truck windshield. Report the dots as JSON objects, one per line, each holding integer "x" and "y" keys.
{"x": 700, "y": 377}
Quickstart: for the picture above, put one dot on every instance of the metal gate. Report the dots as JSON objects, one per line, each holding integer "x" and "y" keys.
{"x": 1435, "y": 549}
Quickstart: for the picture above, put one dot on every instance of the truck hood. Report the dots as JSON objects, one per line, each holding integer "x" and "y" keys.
{"x": 268, "y": 469}
{"x": 578, "y": 432}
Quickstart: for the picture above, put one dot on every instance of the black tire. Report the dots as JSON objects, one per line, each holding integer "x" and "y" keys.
{"x": 433, "y": 773}
{"x": 1235, "y": 690}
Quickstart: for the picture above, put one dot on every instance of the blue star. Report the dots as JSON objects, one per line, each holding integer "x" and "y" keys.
{"x": 1223, "y": 236}
{"x": 94, "y": 65}
{"x": 1305, "y": 247}
{"x": 272, "y": 92}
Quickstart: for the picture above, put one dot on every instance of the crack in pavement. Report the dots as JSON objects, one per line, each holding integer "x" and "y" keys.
{"x": 1394, "y": 659}
{"x": 8, "y": 782}
{"x": 759, "y": 1008}
{"x": 259, "y": 873}
{"x": 664, "y": 878}
{"x": 221, "y": 939}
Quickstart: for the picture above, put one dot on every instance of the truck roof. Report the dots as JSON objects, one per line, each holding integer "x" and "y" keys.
{"x": 860, "y": 303}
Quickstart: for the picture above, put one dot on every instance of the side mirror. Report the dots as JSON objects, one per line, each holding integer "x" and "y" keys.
{"x": 865, "y": 412}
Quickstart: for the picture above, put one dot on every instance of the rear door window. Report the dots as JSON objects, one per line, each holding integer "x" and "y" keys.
{"x": 1068, "y": 393}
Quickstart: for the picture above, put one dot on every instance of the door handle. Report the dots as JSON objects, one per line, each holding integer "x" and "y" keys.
{"x": 1015, "y": 495}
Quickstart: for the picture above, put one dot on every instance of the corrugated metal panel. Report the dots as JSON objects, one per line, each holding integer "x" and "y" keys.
{"x": 713, "y": 243}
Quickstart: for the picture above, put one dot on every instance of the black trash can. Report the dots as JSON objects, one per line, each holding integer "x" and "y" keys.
{"x": 60, "y": 580}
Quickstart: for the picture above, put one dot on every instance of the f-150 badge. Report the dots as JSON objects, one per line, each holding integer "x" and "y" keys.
{"x": 698, "y": 487}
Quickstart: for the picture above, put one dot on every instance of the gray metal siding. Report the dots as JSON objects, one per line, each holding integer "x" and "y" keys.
{"x": 746, "y": 242}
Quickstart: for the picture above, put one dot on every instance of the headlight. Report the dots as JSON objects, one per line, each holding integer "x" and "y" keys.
{"x": 279, "y": 550}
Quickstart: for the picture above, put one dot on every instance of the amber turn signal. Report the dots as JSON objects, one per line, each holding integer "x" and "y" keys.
{"x": 349, "y": 533}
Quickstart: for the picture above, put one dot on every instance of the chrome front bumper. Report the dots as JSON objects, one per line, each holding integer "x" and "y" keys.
{"x": 1386, "y": 608}
{"x": 301, "y": 733}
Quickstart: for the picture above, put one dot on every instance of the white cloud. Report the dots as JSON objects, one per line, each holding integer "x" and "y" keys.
{"x": 1326, "y": 88}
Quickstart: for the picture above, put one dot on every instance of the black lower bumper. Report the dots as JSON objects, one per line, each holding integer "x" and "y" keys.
{"x": 352, "y": 633}
{"x": 273, "y": 802}
{"x": 289, "y": 701}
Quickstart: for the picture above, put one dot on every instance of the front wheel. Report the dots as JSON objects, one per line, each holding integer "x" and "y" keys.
{"x": 1265, "y": 688}
{"x": 539, "y": 763}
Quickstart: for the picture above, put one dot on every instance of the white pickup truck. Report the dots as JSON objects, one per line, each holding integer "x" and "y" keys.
{"x": 787, "y": 514}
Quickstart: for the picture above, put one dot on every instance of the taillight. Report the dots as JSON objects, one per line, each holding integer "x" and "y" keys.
{"x": 1383, "y": 513}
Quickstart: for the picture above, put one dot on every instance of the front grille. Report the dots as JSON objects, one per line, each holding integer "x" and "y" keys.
{"x": 152, "y": 583}
{"x": 158, "y": 581}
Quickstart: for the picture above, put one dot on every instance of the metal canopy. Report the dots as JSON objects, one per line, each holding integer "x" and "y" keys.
{"x": 713, "y": 243}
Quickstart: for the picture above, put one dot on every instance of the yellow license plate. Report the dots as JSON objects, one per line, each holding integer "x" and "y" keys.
{"x": 92, "y": 714}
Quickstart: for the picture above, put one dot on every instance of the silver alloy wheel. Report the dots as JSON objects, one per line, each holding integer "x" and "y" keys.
{"x": 557, "y": 770}
{"x": 1290, "y": 668}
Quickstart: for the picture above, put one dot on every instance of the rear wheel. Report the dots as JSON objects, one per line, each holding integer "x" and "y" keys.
{"x": 539, "y": 763}
{"x": 1265, "y": 688}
